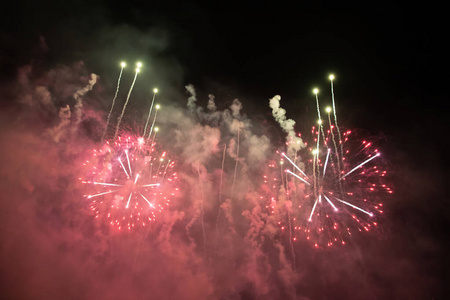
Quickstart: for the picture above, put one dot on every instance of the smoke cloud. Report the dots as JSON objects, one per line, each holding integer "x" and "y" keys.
{"x": 217, "y": 240}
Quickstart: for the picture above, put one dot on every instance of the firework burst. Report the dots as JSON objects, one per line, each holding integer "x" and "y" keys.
{"x": 129, "y": 182}
{"x": 321, "y": 204}
{"x": 328, "y": 187}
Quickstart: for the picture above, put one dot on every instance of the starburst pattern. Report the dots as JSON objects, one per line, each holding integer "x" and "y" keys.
{"x": 326, "y": 196}
{"x": 130, "y": 182}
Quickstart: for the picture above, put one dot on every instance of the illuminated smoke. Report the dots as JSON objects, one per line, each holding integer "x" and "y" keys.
{"x": 78, "y": 108}
{"x": 214, "y": 242}
{"x": 192, "y": 98}
{"x": 294, "y": 143}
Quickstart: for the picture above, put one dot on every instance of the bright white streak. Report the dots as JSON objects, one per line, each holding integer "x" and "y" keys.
{"x": 153, "y": 184}
{"x": 123, "y": 167}
{"x": 119, "y": 120}
{"x": 331, "y": 203}
{"x": 92, "y": 196}
{"x": 295, "y": 165}
{"x": 317, "y": 103}
{"x": 335, "y": 117}
{"x": 112, "y": 105}
{"x": 147, "y": 201}
{"x": 137, "y": 176}
{"x": 326, "y": 162}
{"x": 149, "y": 113}
{"x": 312, "y": 211}
{"x": 128, "y": 159}
{"x": 360, "y": 165}
{"x": 129, "y": 199}
{"x": 288, "y": 171}
{"x": 318, "y": 134}
{"x": 110, "y": 184}
{"x": 153, "y": 124}
{"x": 354, "y": 206}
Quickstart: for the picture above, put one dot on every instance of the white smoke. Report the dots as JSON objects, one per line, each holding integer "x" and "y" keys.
{"x": 78, "y": 112}
{"x": 293, "y": 142}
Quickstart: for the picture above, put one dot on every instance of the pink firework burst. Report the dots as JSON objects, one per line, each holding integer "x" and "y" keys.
{"x": 328, "y": 190}
{"x": 129, "y": 182}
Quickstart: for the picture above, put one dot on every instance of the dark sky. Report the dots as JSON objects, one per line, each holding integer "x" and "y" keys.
{"x": 390, "y": 61}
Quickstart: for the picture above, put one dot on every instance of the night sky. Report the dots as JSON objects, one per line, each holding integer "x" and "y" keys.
{"x": 390, "y": 63}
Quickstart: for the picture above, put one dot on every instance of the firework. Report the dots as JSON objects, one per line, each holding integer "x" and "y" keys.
{"x": 155, "y": 90}
{"x": 122, "y": 65}
{"x": 129, "y": 182}
{"x": 119, "y": 120}
{"x": 153, "y": 123}
{"x": 327, "y": 191}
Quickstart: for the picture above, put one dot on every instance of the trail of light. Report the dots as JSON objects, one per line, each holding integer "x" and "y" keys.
{"x": 153, "y": 123}
{"x": 293, "y": 174}
{"x": 312, "y": 211}
{"x": 236, "y": 164}
{"x": 159, "y": 166}
{"x": 128, "y": 160}
{"x": 354, "y": 206}
{"x": 123, "y": 167}
{"x": 326, "y": 162}
{"x": 360, "y": 165}
{"x": 317, "y": 103}
{"x": 290, "y": 237}
{"x": 152, "y": 184}
{"x": 316, "y": 92}
{"x": 129, "y": 199}
{"x": 165, "y": 170}
{"x": 154, "y": 136}
{"x": 137, "y": 176}
{"x": 149, "y": 203}
{"x": 113, "y": 101}
{"x": 331, "y": 203}
{"x": 220, "y": 198}
{"x": 336, "y": 152}
{"x": 149, "y": 113}
{"x": 96, "y": 195}
{"x": 202, "y": 208}
{"x": 221, "y": 174}
{"x": 110, "y": 184}
{"x": 332, "y": 135}
{"x": 335, "y": 116}
{"x": 281, "y": 173}
{"x": 315, "y": 177}
{"x": 303, "y": 173}
{"x": 317, "y": 147}
{"x": 119, "y": 120}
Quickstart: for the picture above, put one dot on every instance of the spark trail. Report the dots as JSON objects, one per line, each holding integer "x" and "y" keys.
{"x": 331, "y": 77}
{"x": 154, "y": 120}
{"x": 150, "y": 111}
{"x": 122, "y": 65}
{"x": 119, "y": 120}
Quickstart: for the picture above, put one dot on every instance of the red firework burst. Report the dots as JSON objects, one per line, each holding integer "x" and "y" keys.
{"x": 329, "y": 191}
{"x": 129, "y": 183}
